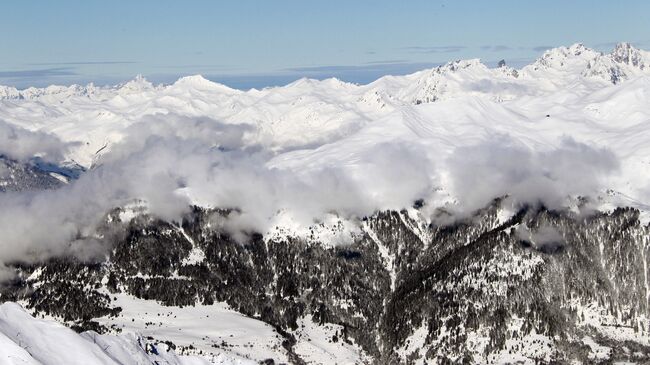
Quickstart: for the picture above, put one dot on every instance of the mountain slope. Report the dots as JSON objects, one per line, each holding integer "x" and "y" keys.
{"x": 462, "y": 214}
{"x": 308, "y": 113}
{"x": 27, "y": 340}
{"x": 533, "y": 285}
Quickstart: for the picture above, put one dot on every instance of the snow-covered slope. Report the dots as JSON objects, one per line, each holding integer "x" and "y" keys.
{"x": 309, "y": 113}
{"x": 298, "y": 170}
{"x": 28, "y": 340}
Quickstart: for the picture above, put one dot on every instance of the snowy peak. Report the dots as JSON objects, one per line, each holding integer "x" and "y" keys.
{"x": 623, "y": 63}
{"x": 573, "y": 58}
{"x": 566, "y": 64}
{"x": 578, "y": 49}
{"x": 457, "y": 65}
{"x": 557, "y": 67}
{"x": 9, "y": 93}
{"x": 308, "y": 83}
{"x": 453, "y": 79}
{"x": 198, "y": 82}
{"x": 627, "y": 54}
{"x": 138, "y": 84}
{"x": 56, "y": 91}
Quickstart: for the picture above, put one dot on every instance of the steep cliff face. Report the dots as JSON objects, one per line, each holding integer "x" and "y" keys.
{"x": 534, "y": 285}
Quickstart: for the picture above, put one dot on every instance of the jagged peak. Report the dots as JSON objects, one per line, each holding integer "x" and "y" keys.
{"x": 572, "y": 59}
{"x": 433, "y": 75}
{"x": 451, "y": 66}
{"x": 139, "y": 83}
{"x": 623, "y": 45}
{"x": 461, "y": 64}
{"x": 622, "y": 63}
{"x": 578, "y": 48}
{"x": 9, "y": 92}
{"x": 626, "y": 53}
{"x": 563, "y": 53}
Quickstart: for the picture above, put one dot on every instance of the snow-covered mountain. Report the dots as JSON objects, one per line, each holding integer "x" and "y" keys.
{"x": 311, "y": 112}
{"x": 458, "y": 214}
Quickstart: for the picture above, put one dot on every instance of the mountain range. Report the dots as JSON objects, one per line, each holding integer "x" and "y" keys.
{"x": 461, "y": 214}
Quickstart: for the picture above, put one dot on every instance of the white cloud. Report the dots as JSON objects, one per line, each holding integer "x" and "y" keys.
{"x": 170, "y": 161}
{"x": 501, "y": 166}
{"x": 21, "y": 144}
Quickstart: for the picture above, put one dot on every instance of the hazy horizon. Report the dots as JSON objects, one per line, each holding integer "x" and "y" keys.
{"x": 249, "y": 44}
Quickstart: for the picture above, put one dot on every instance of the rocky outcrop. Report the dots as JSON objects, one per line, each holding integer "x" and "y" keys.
{"x": 537, "y": 284}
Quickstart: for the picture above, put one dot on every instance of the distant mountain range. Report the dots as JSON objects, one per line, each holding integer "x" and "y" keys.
{"x": 461, "y": 214}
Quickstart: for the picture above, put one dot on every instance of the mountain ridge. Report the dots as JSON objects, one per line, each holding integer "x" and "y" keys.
{"x": 461, "y": 214}
{"x": 624, "y": 57}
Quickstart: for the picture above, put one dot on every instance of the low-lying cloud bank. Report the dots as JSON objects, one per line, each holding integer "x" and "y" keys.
{"x": 20, "y": 144}
{"x": 171, "y": 161}
{"x": 502, "y": 167}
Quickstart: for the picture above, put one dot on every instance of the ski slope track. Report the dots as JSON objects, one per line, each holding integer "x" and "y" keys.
{"x": 461, "y": 214}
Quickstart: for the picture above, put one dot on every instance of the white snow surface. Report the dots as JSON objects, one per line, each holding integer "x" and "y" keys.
{"x": 202, "y": 334}
{"x": 307, "y": 114}
{"x": 214, "y": 330}
{"x": 28, "y": 340}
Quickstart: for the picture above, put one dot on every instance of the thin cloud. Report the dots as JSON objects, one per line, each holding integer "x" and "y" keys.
{"x": 47, "y": 72}
{"x": 541, "y": 48}
{"x": 371, "y": 66}
{"x": 386, "y": 62}
{"x": 434, "y": 49}
{"x": 82, "y": 63}
{"x": 496, "y": 48}
{"x": 198, "y": 66}
{"x": 164, "y": 153}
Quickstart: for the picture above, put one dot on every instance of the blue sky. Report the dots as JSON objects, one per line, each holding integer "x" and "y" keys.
{"x": 247, "y": 43}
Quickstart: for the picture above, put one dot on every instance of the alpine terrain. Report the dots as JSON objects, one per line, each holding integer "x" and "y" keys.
{"x": 458, "y": 215}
